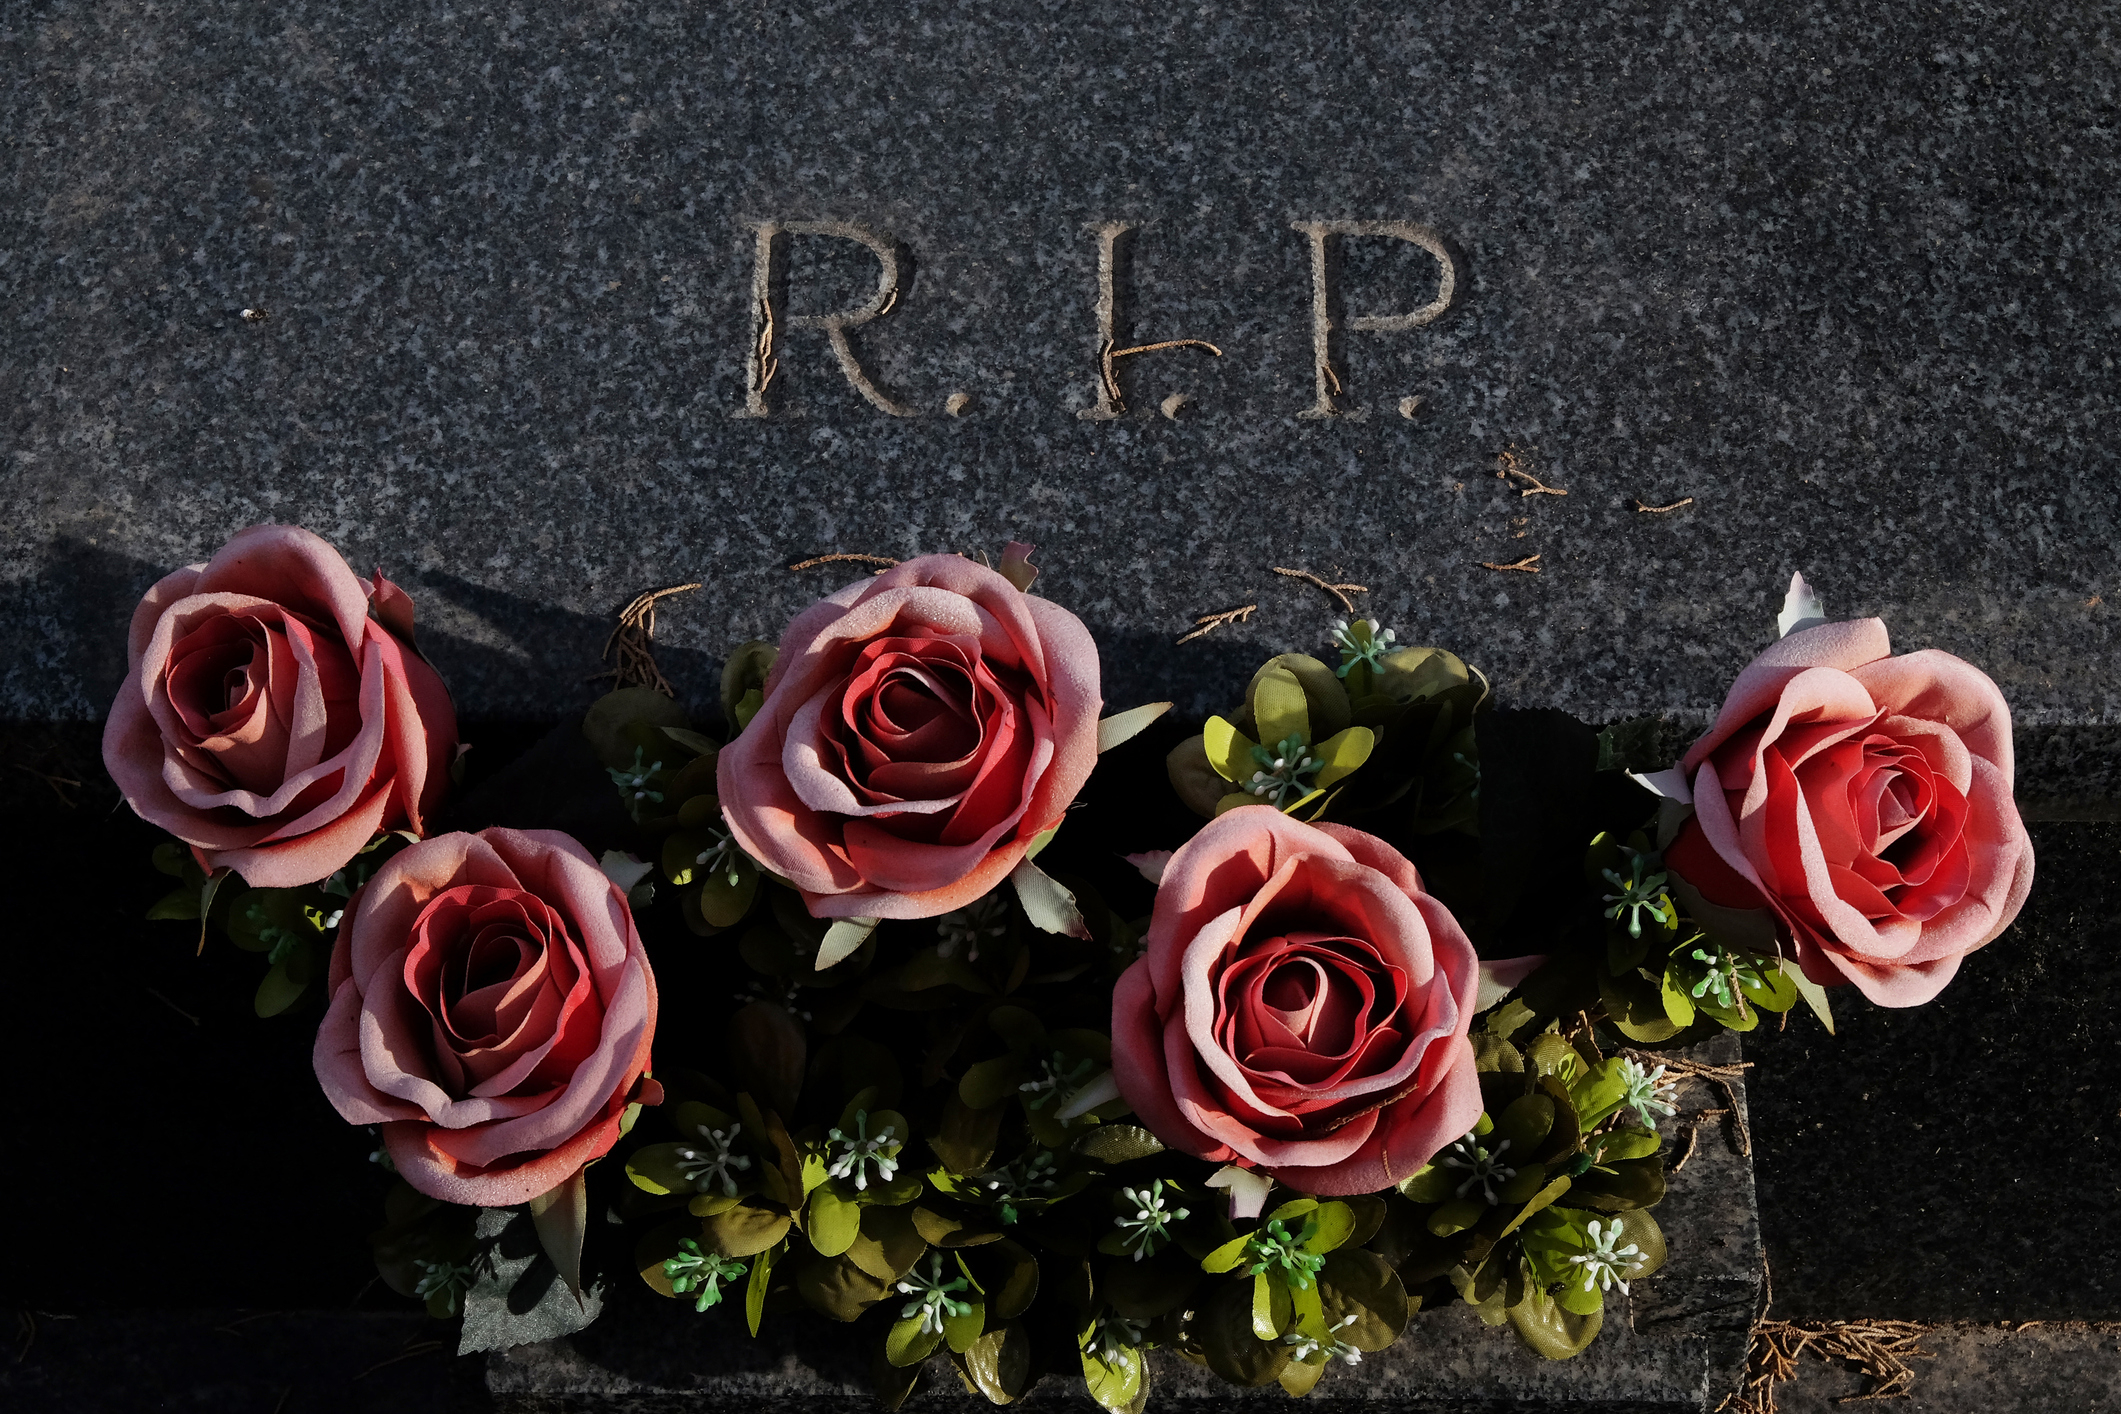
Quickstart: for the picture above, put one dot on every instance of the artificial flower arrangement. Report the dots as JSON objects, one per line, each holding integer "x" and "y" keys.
{"x": 911, "y": 1068}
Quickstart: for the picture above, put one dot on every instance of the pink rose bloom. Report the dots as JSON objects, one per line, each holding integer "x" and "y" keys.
{"x": 919, "y": 730}
{"x": 1301, "y": 1008}
{"x": 491, "y": 1008}
{"x": 1863, "y": 803}
{"x": 275, "y": 716}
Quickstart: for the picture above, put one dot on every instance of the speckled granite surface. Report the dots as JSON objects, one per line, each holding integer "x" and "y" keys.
{"x": 1840, "y": 274}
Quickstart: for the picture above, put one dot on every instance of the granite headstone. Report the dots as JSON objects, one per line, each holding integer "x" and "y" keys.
{"x": 539, "y": 305}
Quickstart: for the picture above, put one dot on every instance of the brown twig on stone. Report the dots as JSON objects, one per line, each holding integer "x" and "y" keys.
{"x": 1646, "y": 509}
{"x": 632, "y": 638}
{"x": 1107, "y": 354}
{"x": 1513, "y": 464}
{"x": 1879, "y": 1349}
{"x": 883, "y": 562}
{"x": 55, "y": 782}
{"x": 1693, "y": 1133}
{"x": 1338, "y": 591}
{"x": 1211, "y": 622}
{"x": 1528, "y": 565}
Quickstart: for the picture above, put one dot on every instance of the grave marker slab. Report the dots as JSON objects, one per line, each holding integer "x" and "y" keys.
{"x": 541, "y": 305}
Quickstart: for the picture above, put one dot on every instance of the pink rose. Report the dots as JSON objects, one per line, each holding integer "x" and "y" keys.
{"x": 491, "y": 1008}
{"x": 268, "y": 720}
{"x": 1301, "y": 1008}
{"x": 1863, "y": 802}
{"x": 919, "y": 730}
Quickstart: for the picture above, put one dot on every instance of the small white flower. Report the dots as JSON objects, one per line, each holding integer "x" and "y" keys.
{"x": 715, "y": 1160}
{"x": 965, "y": 927}
{"x": 1481, "y": 1167}
{"x": 1113, "y": 1336}
{"x": 858, "y": 1154}
{"x": 1648, "y": 1093}
{"x": 1602, "y": 1264}
{"x": 1334, "y": 1347}
{"x": 1148, "y": 1226}
{"x": 932, "y": 1296}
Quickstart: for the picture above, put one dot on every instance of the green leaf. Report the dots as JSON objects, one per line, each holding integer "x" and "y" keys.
{"x": 561, "y": 1216}
{"x": 888, "y": 1245}
{"x": 1539, "y": 1200}
{"x": 1125, "y": 726}
{"x": 1298, "y": 1378}
{"x": 1430, "y": 1184}
{"x": 1010, "y": 1293}
{"x": 831, "y": 1222}
{"x": 908, "y": 1344}
{"x": 841, "y": 940}
{"x": 744, "y": 1231}
{"x": 1115, "y": 1385}
{"x": 1578, "y": 1298}
{"x": 1678, "y": 1006}
{"x": 181, "y": 905}
{"x": 1152, "y": 1287}
{"x": 1224, "y": 1331}
{"x": 755, "y": 1288}
{"x": 654, "y": 1169}
{"x": 1551, "y": 1055}
{"x": 1636, "y": 1007}
{"x": 723, "y": 904}
{"x": 1775, "y": 991}
{"x": 605, "y": 723}
{"x": 1358, "y": 1282}
{"x": 1548, "y": 1329}
{"x": 1342, "y": 753}
{"x": 1279, "y": 708}
{"x": 999, "y": 1363}
{"x": 1229, "y": 750}
{"x": 1814, "y": 995}
{"x": 1457, "y": 1215}
{"x": 1639, "y": 1228}
{"x": 1332, "y": 1224}
{"x": 286, "y": 982}
{"x": 743, "y": 675}
{"x": 1118, "y": 1144}
{"x": 1492, "y": 1053}
{"x": 838, "y": 1287}
{"x": 1525, "y": 1124}
{"x": 1226, "y": 1257}
{"x": 1047, "y": 905}
{"x": 966, "y": 1141}
{"x": 962, "y": 1331}
{"x": 1628, "y": 1144}
{"x": 692, "y": 741}
{"x": 1271, "y": 1310}
{"x": 1615, "y": 1187}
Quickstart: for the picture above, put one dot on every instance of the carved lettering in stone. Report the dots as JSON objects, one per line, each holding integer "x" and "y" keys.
{"x": 767, "y": 326}
{"x": 1110, "y": 257}
{"x": 1322, "y": 300}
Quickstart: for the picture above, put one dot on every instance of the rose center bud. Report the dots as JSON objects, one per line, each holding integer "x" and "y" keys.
{"x": 1308, "y": 1009}
{"x": 504, "y": 989}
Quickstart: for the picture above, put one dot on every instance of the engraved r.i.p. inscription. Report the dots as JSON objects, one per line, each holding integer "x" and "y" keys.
{"x": 767, "y": 323}
{"x": 765, "y": 353}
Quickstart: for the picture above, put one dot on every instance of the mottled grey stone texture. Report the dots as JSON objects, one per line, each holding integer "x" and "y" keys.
{"x": 1970, "y": 1369}
{"x": 1841, "y": 274}
{"x": 1677, "y": 1343}
{"x": 1960, "y": 1159}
